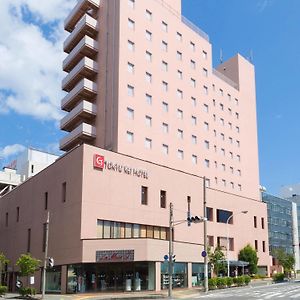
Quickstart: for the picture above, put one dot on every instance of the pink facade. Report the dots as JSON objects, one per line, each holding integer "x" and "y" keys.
{"x": 142, "y": 91}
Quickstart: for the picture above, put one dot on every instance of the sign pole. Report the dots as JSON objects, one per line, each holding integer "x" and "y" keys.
{"x": 170, "y": 252}
{"x": 205, "y": 237}
{"x": 46, "y": 255}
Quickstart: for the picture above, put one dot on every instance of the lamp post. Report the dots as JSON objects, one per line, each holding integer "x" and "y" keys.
{"x": 227, "y": 248}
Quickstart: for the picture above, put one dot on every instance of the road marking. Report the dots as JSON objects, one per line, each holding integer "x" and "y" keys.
{"x": 295, "y": 296}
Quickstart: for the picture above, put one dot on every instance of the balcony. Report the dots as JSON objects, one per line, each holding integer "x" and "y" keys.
{"x": 86, "y": 26}
{"x": 85, "y": 89}
{"x": 84, "y": 111}
{"x": 82, "y": 133}
{"x": 86, "y": 68}
{"x": 86, "y": 47}
{"x": 78, "y": 11}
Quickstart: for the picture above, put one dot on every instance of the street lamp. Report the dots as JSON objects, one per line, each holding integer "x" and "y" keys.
{"x": 227, "y": 248}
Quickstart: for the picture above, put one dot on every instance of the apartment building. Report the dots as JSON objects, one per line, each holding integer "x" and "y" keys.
{"x": 147, "y": 117}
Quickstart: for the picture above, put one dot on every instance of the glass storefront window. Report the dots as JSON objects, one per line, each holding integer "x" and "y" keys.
{"x": 156, "y": 233}
{"x": 99, "y": 229}
{"x": 136, "y": 230}
{"x": 150, "y": 232}
{"x": 197, "y": 274}
{"x": 179, "y": 275}
{"x": 53, "y": 280}
{"x": 128, "y": 231}
{"x": 106, "y": 229}
{"x": 143, "y": 231}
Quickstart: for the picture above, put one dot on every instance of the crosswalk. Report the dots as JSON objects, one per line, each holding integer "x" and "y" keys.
{"x": 274, "y": 291}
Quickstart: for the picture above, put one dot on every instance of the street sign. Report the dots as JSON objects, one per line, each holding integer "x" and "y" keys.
{"x": 19, "y": 284}
{"x": 166, "y": 257}
{"x": 203, "y": 253}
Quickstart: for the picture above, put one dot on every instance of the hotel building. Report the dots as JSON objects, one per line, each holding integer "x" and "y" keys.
{"x": 147, "y": 117}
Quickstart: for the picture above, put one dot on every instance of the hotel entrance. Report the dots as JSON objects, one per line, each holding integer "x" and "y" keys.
{"x": 84, "y": 278}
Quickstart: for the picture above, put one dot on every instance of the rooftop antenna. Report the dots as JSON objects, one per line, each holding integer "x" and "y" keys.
{"x": 221, "y": 56}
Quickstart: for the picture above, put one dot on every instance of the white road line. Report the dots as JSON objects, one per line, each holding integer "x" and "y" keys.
{"x": 295, "y": 296}
{"x": 272, "y": 295}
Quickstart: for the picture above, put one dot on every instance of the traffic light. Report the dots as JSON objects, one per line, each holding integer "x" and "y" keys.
{"x": 173, "y": 258}
{"x": 195, "y": 219}
{"x": 50, "y": 262}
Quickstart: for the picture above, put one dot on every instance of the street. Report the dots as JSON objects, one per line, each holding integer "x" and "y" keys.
{"x": 273, "y": 291}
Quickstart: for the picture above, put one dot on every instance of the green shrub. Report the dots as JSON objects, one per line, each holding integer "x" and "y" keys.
{"x": 212, "y": 283}
{"x": 229, "y": 281}
{"x": 247, "y": 279}
{"x": 221, "y": 282}
{"x": 278, "y": 277}
{"x": 239, "y": 281}
{"x": 258, "y": 276}
{"x": 3, "y": 290}
{"x": 26, "y": 291}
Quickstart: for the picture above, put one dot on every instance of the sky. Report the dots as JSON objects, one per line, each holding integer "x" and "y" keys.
{"x": 31, "y": 55}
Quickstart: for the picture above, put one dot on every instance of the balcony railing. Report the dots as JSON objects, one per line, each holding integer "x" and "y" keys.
{"x": 83, "y": 111}
{"x": 85, "y": 89}
{"x": 86, "y": 26}
{"x": 84, "y": 132}
{"x": 78, "y": 11}
{"x": 86, "y": 47}
{"x": 86, "y": 68}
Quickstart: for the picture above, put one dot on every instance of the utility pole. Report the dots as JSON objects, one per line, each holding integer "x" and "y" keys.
{"x": 170, "y": 252}
{"x": 205, "y": 237}
{"x": 46, "y": 255}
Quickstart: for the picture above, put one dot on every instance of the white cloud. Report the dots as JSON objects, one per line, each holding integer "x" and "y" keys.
{"x": 31, "y": 56}
{"x": 263, "y": 4}
{"x": 11, "y": 150}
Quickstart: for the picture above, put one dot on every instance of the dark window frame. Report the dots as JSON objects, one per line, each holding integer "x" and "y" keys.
{"x": 144, "y": 195}
{"x": 163, "y": 199}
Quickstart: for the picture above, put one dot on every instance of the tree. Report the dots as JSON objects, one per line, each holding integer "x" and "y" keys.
{"x": 3, "y": 262}
{"x": 287, "y": 261}
{"x": 249, "y": 255}
{"x": 217, "y": 260}
{"x": 27, "y": 264}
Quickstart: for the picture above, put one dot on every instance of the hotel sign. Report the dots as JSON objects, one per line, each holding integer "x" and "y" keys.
{"x": 101, "y": 164}
{"x": 114, "y": 256}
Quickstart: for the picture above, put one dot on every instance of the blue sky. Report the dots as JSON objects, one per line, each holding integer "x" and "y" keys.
{"x": 30, "y": 85}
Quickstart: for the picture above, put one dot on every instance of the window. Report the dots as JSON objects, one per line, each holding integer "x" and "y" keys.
{"x": 130, "y": 45}
{"x": 206, "y": 163}
{"x": 44, "y": 236}
{"x": 179, "y": 74}
{"x": 46, "y": 200}
{"x": 216, "y": 180}
{"x": 239, "y": 172}
{"x": 99, "y": 229}
{"x": 209, "y": 214}
{"x": 164, "y": 26}
{"x": 239, "y": 187}
{"x": 210, "y": 240}
{"x": 204, "y": 54}
{"x": 193, "y": 46}
{"x": 130, "y": 137}
{"x": 131, "y": 24}
{"x": 148, "y": 143}
{"x": 237, "y": 115}
{"x": 232, "y": 185}
{"x": 148, "y": 14}
{"x": 164, "y": 66}
{"x": 180, "y": 133}
{"x": 214, "y": 102}
{"x": 237, "y": 129}
{"x": 230, "y": 140}
{"x": 255, "y": 221}
{"x": 165, "y": 106}
{"x": 164, "y": 46}
{"x": 194, "y": 139}
{"x": 206, "y": 126}
{"x": 238, "y": 157}
{"x": 165, "y": 86}
{"x": 262, "y": 223}
{"x": 148, "y": 99}
{"x": 215, "y": 147}
{"x": 229, "y": 97}
{"x": 193, "y": 82}
{"x": 165, "y": 149}
{"x": 144, "y": 195}
{"x": 194, "y": 101}
{"x": 64, "y": 192}
{"x": 32, "y": 169}
{"x": 180, "y": 154}
{"x": 148, "y": 35}
{"x": 205, "y": 90}
{"x": 148, "y": 77}
{"x": 264, "y": 246}
{"x": 236, "y": 101}
{"x": 223, "y": 151}
{"x": 6, "y": 219}
{"x": 165, "y": 127}
{"x": 231, "y": 154}
{"x": 179, "y": 36}
{"x": 230, "y": 125}
{"x": 238, "y": 143}
{"x": 179, "y": 114}
{"x": 148, "y": 121}
{"x": 163, "y": 199}
{"x": 221, "y": 92}
{"x": 18, "y": 214}
{"x": 214, "y": 117}
{"x": 206, "y": 144}
{"x": 256, "y": 245}
{"x": 148, "y": 56}
{"x": 194, "y": 120}
{"x": 130, "y": 67}
{"x": 131, "y": 3}
{"x": 207, "y": 182}
{"x": 213, "y": 87}
{"x": 193, "y": 64}
{"x": 224, "y": 182}
{"x": 194, "y": 159}
{"x": 229, "y": 111}
{"x": 223, "y": 216}
{"x": 180, "y": 94}
{"x": 130, "y": 90}
{"x": 28, "y": 240}
{"x": 222, "y": 121}
{"x": 231, "y": 170}
{"x": 130, "y": 113}
{"x": 179, "y": 55}
{"x": 223, "y": 167}
{"x": 215, "y": 132}
{"x": 221, "y": 106}
{"x": 205, "y": 72}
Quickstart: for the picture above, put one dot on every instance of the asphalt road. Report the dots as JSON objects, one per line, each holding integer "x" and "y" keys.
{"x": 283, "y": 291}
